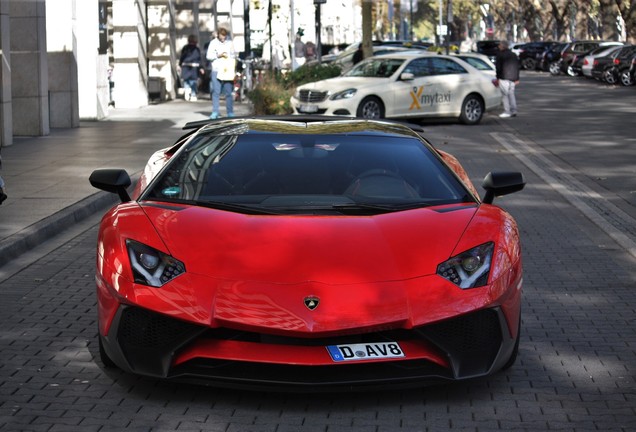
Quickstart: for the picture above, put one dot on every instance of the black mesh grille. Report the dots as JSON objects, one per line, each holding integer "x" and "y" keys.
{"x": 472, "y": 340}
{"x": 312, "y": 96}
{"x": 141, "y": 328}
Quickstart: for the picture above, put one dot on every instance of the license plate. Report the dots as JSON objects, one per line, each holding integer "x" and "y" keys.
{"x": 308, "y": 108}
{"x": 366, "y": 351}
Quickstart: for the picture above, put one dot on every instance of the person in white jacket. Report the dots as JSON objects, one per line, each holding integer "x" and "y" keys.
{"x": 221, "y": 55}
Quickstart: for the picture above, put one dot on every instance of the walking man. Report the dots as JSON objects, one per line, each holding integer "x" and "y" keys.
{"x": 221, "y": 55}
{"x": 507, "y": 65}
{"x": 191, "y": 65}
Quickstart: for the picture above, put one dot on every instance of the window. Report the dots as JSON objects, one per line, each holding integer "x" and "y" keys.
{"x": 420, "y": 67}
{"x": 444, "y": 66}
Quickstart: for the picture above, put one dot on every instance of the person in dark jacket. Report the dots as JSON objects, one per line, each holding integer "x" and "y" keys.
{"x": 507, "y": 65}
{"x": 191, "y": 64}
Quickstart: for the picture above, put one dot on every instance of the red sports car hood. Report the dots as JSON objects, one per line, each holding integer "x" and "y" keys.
{"x": 323, "y": 249}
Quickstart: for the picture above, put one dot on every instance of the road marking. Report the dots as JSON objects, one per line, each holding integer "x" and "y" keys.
{"x": 612, "y": 220}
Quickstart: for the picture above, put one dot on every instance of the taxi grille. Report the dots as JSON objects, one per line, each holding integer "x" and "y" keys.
{"x": 312, "y": 96}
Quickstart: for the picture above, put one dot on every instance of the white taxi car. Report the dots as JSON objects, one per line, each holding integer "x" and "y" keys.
{"x": 403, "y": 85}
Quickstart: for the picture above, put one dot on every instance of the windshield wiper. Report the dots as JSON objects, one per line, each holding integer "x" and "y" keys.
{"x": 377, "y": 208}
{"x": 239, "y": 208}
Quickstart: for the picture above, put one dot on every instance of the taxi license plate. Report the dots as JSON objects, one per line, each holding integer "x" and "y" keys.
{"x": 308, "y": 108}
{"x": 366, "y": 351}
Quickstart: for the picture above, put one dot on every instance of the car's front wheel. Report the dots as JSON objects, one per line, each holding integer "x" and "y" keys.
{"x": 472, "y": 110}
{"x": 371, "y": 107}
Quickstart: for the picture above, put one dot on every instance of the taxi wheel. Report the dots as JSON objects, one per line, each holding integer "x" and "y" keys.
{"x": 472, "y": 110}
{"x": 371, "y": 108}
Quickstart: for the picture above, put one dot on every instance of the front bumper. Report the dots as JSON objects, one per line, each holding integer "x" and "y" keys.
{"x": 151, "y": 344}
{"x": 342, "y": 107}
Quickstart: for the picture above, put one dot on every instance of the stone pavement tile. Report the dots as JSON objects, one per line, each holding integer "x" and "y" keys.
{"x": 187, "y": 426}
{"x": 239, "y": 427}
{"x": 305, "y": 427}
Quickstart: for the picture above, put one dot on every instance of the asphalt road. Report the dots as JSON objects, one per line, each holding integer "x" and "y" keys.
{"x": 576, "y": 369}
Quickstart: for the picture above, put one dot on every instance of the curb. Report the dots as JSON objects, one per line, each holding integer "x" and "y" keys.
{"x": 39, "y": 232}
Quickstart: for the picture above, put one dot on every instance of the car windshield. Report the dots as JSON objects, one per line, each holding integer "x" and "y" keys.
{"x": 376, "y": 68}
{"x": 281, "y": 173}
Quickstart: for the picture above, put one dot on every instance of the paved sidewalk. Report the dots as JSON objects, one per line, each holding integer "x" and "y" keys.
{"x": 47, "y": 177}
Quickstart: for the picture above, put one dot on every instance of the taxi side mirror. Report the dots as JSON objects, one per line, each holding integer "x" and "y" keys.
{"x": 407, "y": 76}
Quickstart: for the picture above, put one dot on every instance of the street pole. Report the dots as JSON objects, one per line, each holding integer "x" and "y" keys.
{"x": 293, "y": 37}
{"x": 318, "y": 3}
{"x": 439, "y": 31}
{"x": 246, "y": 28}
{"x": 411, "y": 19}
{"x": 449, "y": 20}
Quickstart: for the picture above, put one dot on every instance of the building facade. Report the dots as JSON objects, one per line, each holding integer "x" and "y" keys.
{"x": 62, "y": 61}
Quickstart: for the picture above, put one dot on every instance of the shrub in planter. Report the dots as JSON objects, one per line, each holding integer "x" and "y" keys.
{"x": 271, "y": 96}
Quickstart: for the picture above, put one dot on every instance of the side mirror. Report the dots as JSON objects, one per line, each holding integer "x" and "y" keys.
{"x": 499, "y": 183}
{"x": 112, "y": 180}
{"x": 407, "y": 76}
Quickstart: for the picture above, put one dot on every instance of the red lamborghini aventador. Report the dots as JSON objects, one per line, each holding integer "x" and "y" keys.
{"x": 306, "y": 253}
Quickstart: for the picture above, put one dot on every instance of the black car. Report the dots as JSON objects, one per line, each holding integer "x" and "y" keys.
{"x": 550, "y": 58}
{"x": 632, "y": 70}
{"x": 530, "y": 53}
{"x": 618, "y": 71}
{"x": 601, "y": 69}
{"x": 572, "y": 49}
{"x": 488, "y": 48}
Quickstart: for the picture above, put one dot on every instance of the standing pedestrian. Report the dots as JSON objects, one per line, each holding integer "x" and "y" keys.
{"x": 507, "y": 65}
{"x": 299, "y": 51}
{"x": 221, "y": 55}
{"x": 3, "y": 191}
{"x": 358, "y": 55}
{"x": 310, "y": 51}
{"x": 191, "y": 64}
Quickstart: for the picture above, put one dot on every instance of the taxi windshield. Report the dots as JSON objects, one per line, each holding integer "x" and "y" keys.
{"x": 376, "y": 68}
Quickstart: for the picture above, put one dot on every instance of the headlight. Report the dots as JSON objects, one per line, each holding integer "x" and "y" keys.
{"x": 345, "y": 94}
{"x": 469, "y": 269}
{"x": 152, "y": 267}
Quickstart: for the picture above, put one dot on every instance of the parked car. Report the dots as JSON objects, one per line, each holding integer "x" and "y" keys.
{"x": 489, "y": 48}
{"x": 550, "y": 58}
{"x": 406, "y": 84}
{"x": 307, "y": 254}
{"x": 572, "y": 49}
{"x": 588, "y": 60}
{"x": 531, "y": 52}
{"x": 632, "y": 70}
{"x": 601, "y": 68}
{"x": 479, "y": 62}
{"x": 344, "y": 59}
{"x": 621, "y": 64}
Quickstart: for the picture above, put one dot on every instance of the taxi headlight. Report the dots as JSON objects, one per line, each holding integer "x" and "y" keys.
{"x": 345, "y": 94}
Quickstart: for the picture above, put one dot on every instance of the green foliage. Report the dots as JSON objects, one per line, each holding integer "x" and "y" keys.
{"x": 310, "y": 73}
{"x": 271, "y": 95}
